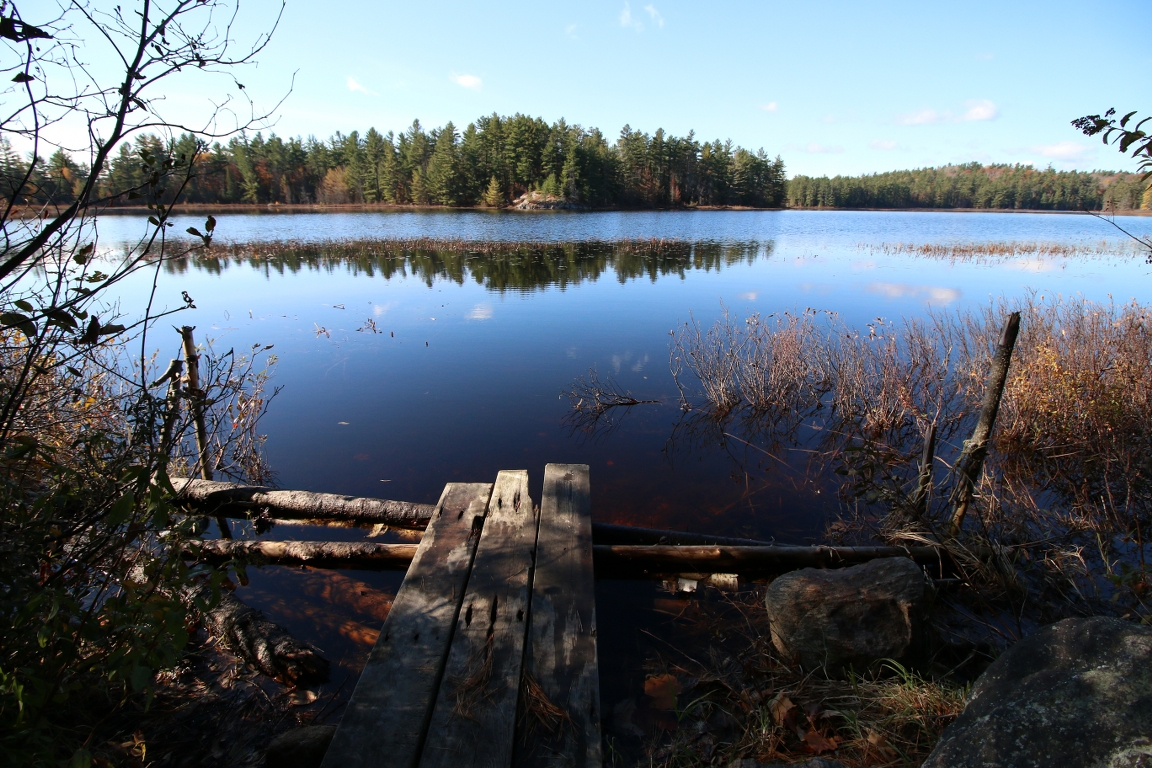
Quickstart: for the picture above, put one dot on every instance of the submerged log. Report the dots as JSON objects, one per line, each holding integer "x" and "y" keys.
{"x": 610, "y": 533}
{"x": 265, "y": 645}
{"x": 611, "y": 560}
{"x": 320, "y": 554}
{"x": 238, "y": 500}
{"x": 629, "y": 559}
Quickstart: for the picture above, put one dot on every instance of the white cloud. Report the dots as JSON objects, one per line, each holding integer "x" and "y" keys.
{"x": 626, "y": 19}
{"x": 1067, "y": 151}
{"x": 975, "y": 110}
{"x": 769, "y": 107}
{"x": 924, "y": 117}
{"x": 467, "y": 81}
{"x": 355, "y": 87}
{"x": 930, "y": 293}
{"x": 982, "y": 109}
{"x": 819, "y": 149}
{"x": 657, "y": 19}
{"x": 570, "y": 31}
{"x": 749, "y": 296}
{"x": 883, "y": 144}
{"x": 985, "y": 56}
{"x": 481, "y": 312}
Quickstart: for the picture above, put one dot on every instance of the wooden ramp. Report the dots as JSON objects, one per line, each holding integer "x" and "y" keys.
{"x": 488, "y": 656}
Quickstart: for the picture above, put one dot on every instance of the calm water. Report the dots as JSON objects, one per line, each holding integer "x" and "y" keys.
{"x": 465, "y": 376}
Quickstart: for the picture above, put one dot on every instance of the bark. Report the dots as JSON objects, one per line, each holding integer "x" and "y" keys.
{"x": 237, "y": 500}
{"x": 319, "y": 554}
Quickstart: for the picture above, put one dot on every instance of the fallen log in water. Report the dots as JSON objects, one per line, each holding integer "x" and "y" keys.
{"x": 266, "y": 646}
{"x": 320, "y": 554}
{"x": 633, "y": 560}
{"x": 235, "y": 500}
{"x": 611, "y": 560}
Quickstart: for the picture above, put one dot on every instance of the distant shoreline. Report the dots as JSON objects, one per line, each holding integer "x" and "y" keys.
{"x": 212, "y": 208}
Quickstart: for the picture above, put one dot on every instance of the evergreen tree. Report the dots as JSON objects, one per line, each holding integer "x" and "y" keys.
{"x": 494, "y": 196}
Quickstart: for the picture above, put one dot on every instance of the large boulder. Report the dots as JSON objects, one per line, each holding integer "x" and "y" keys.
{"x": 843, "y": 617}
{"x": 1077, "y": 694}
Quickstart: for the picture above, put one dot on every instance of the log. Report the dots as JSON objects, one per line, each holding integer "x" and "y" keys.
{"x": 238, "y": 500}
{"x": 266, "y": 646}
{"x": 971, "y": 462}
{"x": 610, "y": 533}
{"x": 629, "y": 560}
{"x": 611, "y": 560}
{"x": 319, "y": 554}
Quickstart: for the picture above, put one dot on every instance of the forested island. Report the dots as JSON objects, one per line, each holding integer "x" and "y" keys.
{"x": 496, "y": 160}
{"x": 490, "y": 163}
{"x": 972, "y": 185}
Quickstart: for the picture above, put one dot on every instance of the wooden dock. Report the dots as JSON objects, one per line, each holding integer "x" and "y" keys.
{"x": 488, "y": 656}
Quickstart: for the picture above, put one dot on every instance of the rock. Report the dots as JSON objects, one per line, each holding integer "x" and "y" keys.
{"x": 1075, "y": 694}
{"x": 300, "y": 747}
{"x": 843, "y": 617}
{"x": 816, "y": 762}
{"x": 538, "y": 201}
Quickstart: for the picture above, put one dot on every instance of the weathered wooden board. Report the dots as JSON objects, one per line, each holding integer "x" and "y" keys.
{"x": 474, "y": 720}
{"x": 560, "y": 721}
{"x": 389, "y": 711}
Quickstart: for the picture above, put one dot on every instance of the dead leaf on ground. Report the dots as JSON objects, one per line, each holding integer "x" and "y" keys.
{"x": 662, "y": 689}
{"x": 819, "y": 744}
{"x": 780, "y": 706}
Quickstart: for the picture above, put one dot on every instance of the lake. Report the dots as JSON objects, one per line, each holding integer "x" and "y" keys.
{"x": 466, "y": 372}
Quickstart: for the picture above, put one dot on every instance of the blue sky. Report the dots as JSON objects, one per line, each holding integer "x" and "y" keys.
{"x": 833, "y": 87}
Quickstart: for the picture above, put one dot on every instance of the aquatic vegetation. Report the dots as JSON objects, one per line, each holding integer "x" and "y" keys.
{"x": 1065, "y": 492}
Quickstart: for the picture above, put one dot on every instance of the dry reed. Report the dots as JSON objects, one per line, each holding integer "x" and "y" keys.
{"x": 1065, "y": 492}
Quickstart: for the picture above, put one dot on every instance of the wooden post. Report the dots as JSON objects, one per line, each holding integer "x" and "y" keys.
{"x": 971, "y": 462}
{"x": 195, "y": 397}
{"x": 924, "y": 480}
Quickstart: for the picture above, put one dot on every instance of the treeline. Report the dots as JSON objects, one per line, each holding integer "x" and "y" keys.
{"x": 492, "y": 162}
{"x": 973, "y": 185}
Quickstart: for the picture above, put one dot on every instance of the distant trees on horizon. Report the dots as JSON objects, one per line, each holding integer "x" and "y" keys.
{"x": 972, "y": 185}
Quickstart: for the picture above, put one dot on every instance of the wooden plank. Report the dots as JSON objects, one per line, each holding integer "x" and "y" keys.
{"x": 560, "y": 703}
{"x": 475, "y": 716}
{"x": 388, "y": 713}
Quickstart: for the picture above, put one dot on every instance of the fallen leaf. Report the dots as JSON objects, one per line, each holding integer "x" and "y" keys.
{"x": 662, "y": 689}
{"x": 780, "y": 706}
{"x": 819, "y": 744}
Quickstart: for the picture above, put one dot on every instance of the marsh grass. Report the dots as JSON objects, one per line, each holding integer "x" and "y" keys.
{"x": 1005, "y": 249}
{"x": 1064, "y": 499}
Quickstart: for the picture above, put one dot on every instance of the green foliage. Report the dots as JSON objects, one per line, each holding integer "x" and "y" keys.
{"x": 1125, "y": 138}
{"x": 970, "y": 186}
